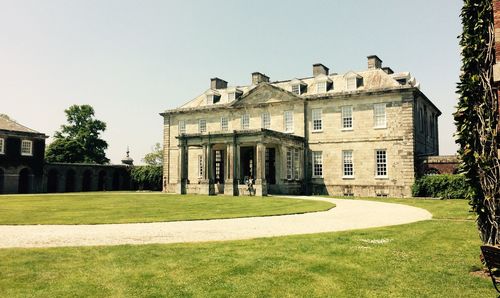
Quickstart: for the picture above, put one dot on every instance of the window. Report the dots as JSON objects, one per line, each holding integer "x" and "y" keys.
{"x": 223, "y": 124}
{"x": 2, "y": 146}
{"x": 379, "y": 116}
{"x": 289, "y": 164}
{"x": 347, "y": 165}
{"x": 288, "y": 116}
{"x": 266, "y": 120}
{"x": 321, "y": 87}
{"x": 212, "y": 98}
{"x": 26, "y": 147}
{"x": 317, "y": 158}
{"x": 231, "y": 96}
{"x": 351, "y": 83}
{"x": 296, "y": 89}
{"x": 245, "y": 121}
{"x": 317, "y": 121}
{"x": 182, "y": 126}
{"x": 202, "y": 126}
{"x": 381, "y": 163}
{"x": 296, "y": 164}
{"x": 347, "y": 117}
{"x": 421, "y": 119}
{"x": 200, "y": 166}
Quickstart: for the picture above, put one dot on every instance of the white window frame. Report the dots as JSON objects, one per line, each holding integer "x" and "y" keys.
{"x": 317, "y": 120}
{"x": 288, "y": 121}
{"x": 26, "y": 148}
{"x": 380, "y": 119}
{"x": 347, "y": 118}
{"x": 182, "y": 126}
{"x": 296, "y": 89}
{"x": 266, "y": 120}
{"x": 231, "y": 96}
{"x": 317, "y": 164}
{"x": 200, "y": 166}
{"x": 321, "y": 87}
{"x": 210, "y": 99}
{"x": 381, "y": 164}
{"x": 349, "y": 85}
{"x": 245, "y": 121}
{"x": 347, "y": 164}
{"x": 202, "y": 126}
{"x": 224, "y": 124}
{"x": 296, "y": 164}
{"x": 2, "y": 146}
{"x": 289, "y": 163}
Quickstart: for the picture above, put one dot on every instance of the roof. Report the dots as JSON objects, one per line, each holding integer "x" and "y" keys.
{"x": 11, "y": 125}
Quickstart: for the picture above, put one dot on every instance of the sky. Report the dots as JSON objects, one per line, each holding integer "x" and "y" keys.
{"x": 131, "y": 60}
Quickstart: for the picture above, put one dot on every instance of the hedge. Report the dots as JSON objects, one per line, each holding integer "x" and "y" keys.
{"x": 444, "y": 186}
{"x": 147, "y": 177}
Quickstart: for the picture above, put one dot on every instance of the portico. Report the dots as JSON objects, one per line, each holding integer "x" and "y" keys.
{"x": 227, "y": 160}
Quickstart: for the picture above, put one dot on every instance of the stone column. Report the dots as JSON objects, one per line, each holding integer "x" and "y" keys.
{"x": 229, "y": 170}
{"x": 183, "y": 168}
{"x": 236, "y": 168}
{"x": 260, "y": 176}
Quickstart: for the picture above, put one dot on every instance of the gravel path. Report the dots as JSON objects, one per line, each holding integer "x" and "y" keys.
{"x": 348, "y": 215}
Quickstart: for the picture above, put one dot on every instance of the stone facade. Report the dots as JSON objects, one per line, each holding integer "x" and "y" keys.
{"x": 358, "y": 133}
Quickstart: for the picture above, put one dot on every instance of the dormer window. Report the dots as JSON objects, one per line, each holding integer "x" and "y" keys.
{"x": 296, "y": 89}
{"x": 212, "y": 99}
{"x": 233, "y": 94}
{"x": 321, "y": 87}
{"x": 2, "y": 146}
{"x": 353, "y": 82}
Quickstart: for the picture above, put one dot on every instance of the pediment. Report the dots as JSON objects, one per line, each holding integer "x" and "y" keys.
{"x": 265, "y": 93}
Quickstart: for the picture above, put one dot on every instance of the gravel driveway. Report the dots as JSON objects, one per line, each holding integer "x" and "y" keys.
{"x": 347, "y": 215}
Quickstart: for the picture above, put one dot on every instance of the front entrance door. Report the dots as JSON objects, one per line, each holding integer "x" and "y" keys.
{"x": 219, "y": 171}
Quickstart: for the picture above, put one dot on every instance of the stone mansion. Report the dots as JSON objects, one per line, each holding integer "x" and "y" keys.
{"x": 358, "y": 133}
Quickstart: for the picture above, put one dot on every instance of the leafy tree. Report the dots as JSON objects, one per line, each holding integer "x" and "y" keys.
{"x": 154, "y": 158}
{"x": 147, "y": 177}
{"x": 79, "y": 140}
{"x": 476, "y": 117}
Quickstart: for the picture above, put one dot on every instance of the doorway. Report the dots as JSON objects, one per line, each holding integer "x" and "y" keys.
{"x": 271, "y": 165}
{"x": 247, "y": 163}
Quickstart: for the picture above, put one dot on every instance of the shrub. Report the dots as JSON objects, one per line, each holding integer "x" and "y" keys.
{"x": 147, "y": 177}
{"x": 444, "y": 186}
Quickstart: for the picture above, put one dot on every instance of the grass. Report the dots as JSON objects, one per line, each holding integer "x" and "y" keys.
{"x": 425, "y": 259}
{"x": 96, "y": 208}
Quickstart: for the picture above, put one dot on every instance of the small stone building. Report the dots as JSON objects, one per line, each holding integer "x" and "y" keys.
{"x": 23, "y": 168}
{"x": 358, "y": 133}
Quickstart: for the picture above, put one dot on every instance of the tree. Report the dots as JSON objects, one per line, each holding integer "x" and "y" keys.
{"x": 476, "y": 117}
{"x": 155, "y": 157}
{"x": 79, "y": 140}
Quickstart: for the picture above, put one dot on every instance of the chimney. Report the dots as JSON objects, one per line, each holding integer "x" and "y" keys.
{"x": 258, "y": 78}
{"x": 216, "y": 83}
{"x": 319, "y": 69}
{"x": 387, "y": 70}
{"x": 374, "y": 62}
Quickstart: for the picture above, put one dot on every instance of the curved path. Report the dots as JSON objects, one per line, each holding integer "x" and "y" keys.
{"x": 347, "y": 215}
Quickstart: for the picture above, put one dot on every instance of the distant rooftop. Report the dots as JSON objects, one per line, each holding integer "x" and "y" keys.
{"x": 10, "y": 125}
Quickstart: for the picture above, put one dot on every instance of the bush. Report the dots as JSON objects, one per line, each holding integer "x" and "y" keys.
{"x": 147, "y": 177}
{"x": 444, "y": 186}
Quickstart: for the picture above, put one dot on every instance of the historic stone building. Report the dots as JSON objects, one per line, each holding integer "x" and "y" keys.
{"x": 23, "y": 168}
{"x": 358, "y": 133}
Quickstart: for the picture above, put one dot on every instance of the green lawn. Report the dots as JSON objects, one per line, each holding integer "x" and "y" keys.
{"x": 425, "y": 259}
{"x": 95, "y": 208}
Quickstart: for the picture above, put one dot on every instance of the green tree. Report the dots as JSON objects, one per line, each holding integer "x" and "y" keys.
{"x": 476, "y": 117}
{"x": 79, "y": 140}
{"x": 155, "y": 157}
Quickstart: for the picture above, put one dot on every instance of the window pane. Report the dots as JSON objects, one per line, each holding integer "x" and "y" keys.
{"x": 347, "y": 117}
{"x": 182, "y": 126}
{"x": 317, "y": 121}
{"x": 288, "y": 121}
{"x": 348, "y": 167}
{"x": 266, "y": 120}
{"x": 202, "y": 126}
{"x": 296, "y": 89}
{"x": 231, "y": 96}
{"x": 381, "y": 162}
{"x": 317, "y": 164}
{"x": 245, "y": 121}
{"x": 321, "y": 87}
{"x": 26, "y": 147}
{"x": 351, "y": 83}
{"x": 296, "y": 164}
{"x": 289, "y": 164}
{"x": 379, "y": 116}
{"x": 200, "y": 166}
{"x": 223, "y": 124}
{"x": 2, "y": 146}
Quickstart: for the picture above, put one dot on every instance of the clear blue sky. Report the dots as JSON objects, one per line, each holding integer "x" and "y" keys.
{"x": 131, "y": 60}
